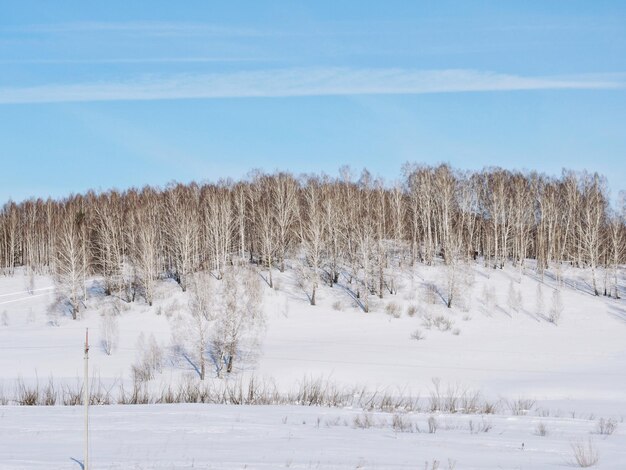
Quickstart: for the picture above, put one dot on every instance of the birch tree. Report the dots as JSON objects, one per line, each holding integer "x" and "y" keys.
{"x": 238, "y": 318}
{"x": 70, "y": 269}
{"x": 312, "y": 233}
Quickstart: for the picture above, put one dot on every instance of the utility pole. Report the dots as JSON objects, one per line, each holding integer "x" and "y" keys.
{"x": 86, "y": 401}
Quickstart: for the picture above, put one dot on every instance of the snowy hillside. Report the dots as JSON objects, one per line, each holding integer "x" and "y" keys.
{"x": 501, "y": 340}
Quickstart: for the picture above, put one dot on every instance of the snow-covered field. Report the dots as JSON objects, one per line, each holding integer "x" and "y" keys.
{"x": 500, "y": 342}
{"x": 268, "y": 437}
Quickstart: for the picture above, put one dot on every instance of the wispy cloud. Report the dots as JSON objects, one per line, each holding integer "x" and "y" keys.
{"x": 149, "y": 28}
{"x": 302, "y": 82}
{"x": 136, "y": 60}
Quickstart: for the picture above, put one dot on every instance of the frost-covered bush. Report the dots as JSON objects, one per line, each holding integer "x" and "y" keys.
{"x": 109, "y": 332}
{"x": 521, "y": 406}
{"x": 605, "y": 427}
{"x": 433, "y": 425}
{"x": 556, "y": 308}
{"x": 149, "y": 361}
{"x": 411, "y": 310}
{"x": 363, "y": 421}
{"x": 442, "y": 323}
{"x": 430, "y": 294}
{"x": 585, "y": 454}
{"x": 401, "y": 423}
{"x": 541, "y": 430}
{"x": 393, "y": 309}
{"x": 417, "y": 335}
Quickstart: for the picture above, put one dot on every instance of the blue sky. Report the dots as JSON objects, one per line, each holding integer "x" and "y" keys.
{"x": 119, "y": 94}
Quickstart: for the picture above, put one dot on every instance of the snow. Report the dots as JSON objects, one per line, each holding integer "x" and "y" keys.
{"x": 574, "y": 370}
{"x": 272, "y": 437}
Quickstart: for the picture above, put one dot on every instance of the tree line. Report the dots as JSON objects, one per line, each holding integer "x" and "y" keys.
{"x": 326, "y": 227}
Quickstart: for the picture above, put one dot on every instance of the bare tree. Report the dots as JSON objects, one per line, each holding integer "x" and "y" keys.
{"x": 617, "y": 249}
{"x": 241, "y": 215}
{"x": 182, "y": 227}
{"x": 70, "y": 269}
{"x": 133, "y": 238}
{"x": 203, "y": 310}
{"x": 265, "y": 226}
{"x": 284, "y": 198}
{"x": 11, "y": 236}
{"x": 591, "y": 221}
{"x": 333, "y": 222}
{"x": 108, "y": 246}
{"x": 146, "y": 249}
{"x": 240, "y": 313}
{"x": 312, "y": 233}
{"x": 218, "y": 225}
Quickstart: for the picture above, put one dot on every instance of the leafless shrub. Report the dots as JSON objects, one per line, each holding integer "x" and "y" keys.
{"x": 427, "y": 320}
{"x": 72, "y": 396}
{"x": 4, "y": 400}
{"x": 137, "y": 395}
{"x": 442, "y": 323}
{"x": 337, "y": 305}
{"x": 556, "y": 308}
{"x": 455, "y": 399}
{"x": 310, "y": 392}
{"x": 514, "y": 298}
{"x": 4, "y": 318}
{"x": 29, "y": 281}
{"x": 483, "y": 426}
{"x": 541, "y": 429}
{"x": 489, "y": 407}
{"x": 391, "y": 403}
{"x": 433, "y": 425}
{"x": 456, "y": 331}
{"x": 411, "y": 310}
{"x": 539, "y": 303}
{"x": 432, "y": 466}
{"x": 98, "y": 394}
{"x": 585, "y": 453}
{"x": 150, "y": 359}
{"x": 393, "y": 309}
{"x": 168, "y": 395}
{"x": 318, "y": 393}
{"x": 109, "y": 332}
{"x": 27, "y": 395}
{"x": 417, "y": 335}
{"x": 488, "y": 298}
{"x": 400, "y": 423}
{"x": 363, "y": 421}
{"x": 521, "y": 406}
{"x": 605, "y": 427}
{"x": 171, "y": 308}
{"x": 466, "y": 318}
{"x": 49, "y": 394}
{"x": 430, "y": 294}
{"x": 328, "y": 423}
